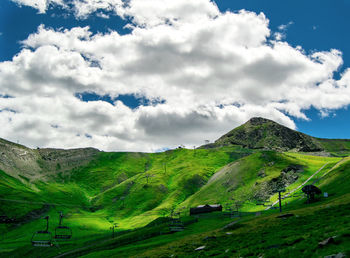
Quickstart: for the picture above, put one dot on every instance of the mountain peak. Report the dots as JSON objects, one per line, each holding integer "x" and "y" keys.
{"x": 259, "y": 121}
{"x": 262, "y": 133}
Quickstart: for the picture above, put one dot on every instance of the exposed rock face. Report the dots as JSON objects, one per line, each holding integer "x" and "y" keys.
{"x": 18, "y": 160}
{"x": 261, "y": 133}
{"x": 60, "y": 159}
{"x": 287, "y": 177}
{"x": 38, "y": 164}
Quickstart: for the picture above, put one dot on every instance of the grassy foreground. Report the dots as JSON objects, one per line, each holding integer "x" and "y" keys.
{"x": 140, "y": 191}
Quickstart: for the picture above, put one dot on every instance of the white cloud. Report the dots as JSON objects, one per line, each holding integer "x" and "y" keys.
{"x": 281, "y": 34}
{"x": 154, "y": 12}
{"x": 102, "y": 15}
{"x": 324, "y": 113}
{"x": 284, "y": 27}
{"x": 214, "y": 70}
{"x": 83, "y": 8}
{"x": 146, "y": 12}
{"x": 41, "y": 5}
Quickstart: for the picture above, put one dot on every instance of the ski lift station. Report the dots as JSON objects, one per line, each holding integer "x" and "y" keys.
{"x": 205, "y": 209}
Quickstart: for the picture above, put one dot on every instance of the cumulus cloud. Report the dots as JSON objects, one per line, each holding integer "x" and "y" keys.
{"x": 281, "y": 33}
{"x": 213, "y": 70}
{"x": 283, "y": 27}
{"x": 41, "y": 5}
{"x": 145, "y": 12}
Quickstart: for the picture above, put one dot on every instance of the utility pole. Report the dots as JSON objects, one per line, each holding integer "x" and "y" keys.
{"x": 113, "y": 227}
{"x": 238, "y": 205}
{"x": 279, "y": 197}
{"x": 123, "y": 200}
{"x": 148, "y": 176}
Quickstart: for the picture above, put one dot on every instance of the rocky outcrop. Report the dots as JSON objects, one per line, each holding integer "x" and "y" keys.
{"x": 261, "y": 133}
{"x": 61, "y": 160}
{"x": 288, "y": 176}
{"x": 28, "y": 164}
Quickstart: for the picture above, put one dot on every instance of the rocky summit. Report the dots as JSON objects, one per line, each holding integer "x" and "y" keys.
{"x": 261, "y": 133}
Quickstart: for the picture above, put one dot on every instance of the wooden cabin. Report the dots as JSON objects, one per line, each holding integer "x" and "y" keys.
{"x": 205, "y": 209}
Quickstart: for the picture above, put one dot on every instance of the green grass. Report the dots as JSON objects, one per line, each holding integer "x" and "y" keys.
{"x": 337, "y": 147}
{"x": 91, "y": 199}
{"x": 90, "y": 195}
{"x": 266, "y": 235}
{"x": 185, "y": 172}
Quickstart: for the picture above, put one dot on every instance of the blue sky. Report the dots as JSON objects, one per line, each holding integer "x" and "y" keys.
{"x": 316, "y": 26}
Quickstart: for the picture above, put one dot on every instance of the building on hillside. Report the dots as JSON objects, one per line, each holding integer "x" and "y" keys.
{"x": 311, "y": 191}
{"x": 205, "y": 209}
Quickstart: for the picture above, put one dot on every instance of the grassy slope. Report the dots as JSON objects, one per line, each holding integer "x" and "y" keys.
{"x": 12, "y": 188}
{"x": 265, "y": 235}
{"x": 101, "y": 184}
{"x": 293, "y": 237}
{"x": 122, "y": 175}
{"x": 336, "y": 147}
{"x": 89, "y": 195}
{"x": 239, "y": 181}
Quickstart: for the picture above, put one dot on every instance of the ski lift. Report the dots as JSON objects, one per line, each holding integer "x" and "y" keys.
{"x": 62, "y": 232}
{"x": 42, "y": 238}
{"x": 176, "y": 225}
{"x": 6, "y": 220}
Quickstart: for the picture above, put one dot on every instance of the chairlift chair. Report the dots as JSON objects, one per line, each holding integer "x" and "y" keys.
{"x": 42, "y": 238}
{"x": 6, "y": 220}
{"x": 176, "y": 225}
{"x": 62, "y": 232}
{"x": 3, "y": 219}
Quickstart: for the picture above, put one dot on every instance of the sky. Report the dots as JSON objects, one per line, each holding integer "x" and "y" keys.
{"x": 148, "y": 75}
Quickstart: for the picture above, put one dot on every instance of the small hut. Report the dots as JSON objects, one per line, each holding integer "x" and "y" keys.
{"x": 311, "y": 191}
{"x": 205, "y": 209}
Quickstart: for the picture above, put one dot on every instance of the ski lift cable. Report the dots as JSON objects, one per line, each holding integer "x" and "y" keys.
{"x": 327, "y": 172}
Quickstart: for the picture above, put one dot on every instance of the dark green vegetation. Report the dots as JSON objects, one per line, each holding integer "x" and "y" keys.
{"x": 141, "y": 191}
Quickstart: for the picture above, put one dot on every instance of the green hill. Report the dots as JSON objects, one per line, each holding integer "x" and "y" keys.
{"x": 262, "y": 133}
{"x": 141, "y": 191}
{"x": 336, "y": 147}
